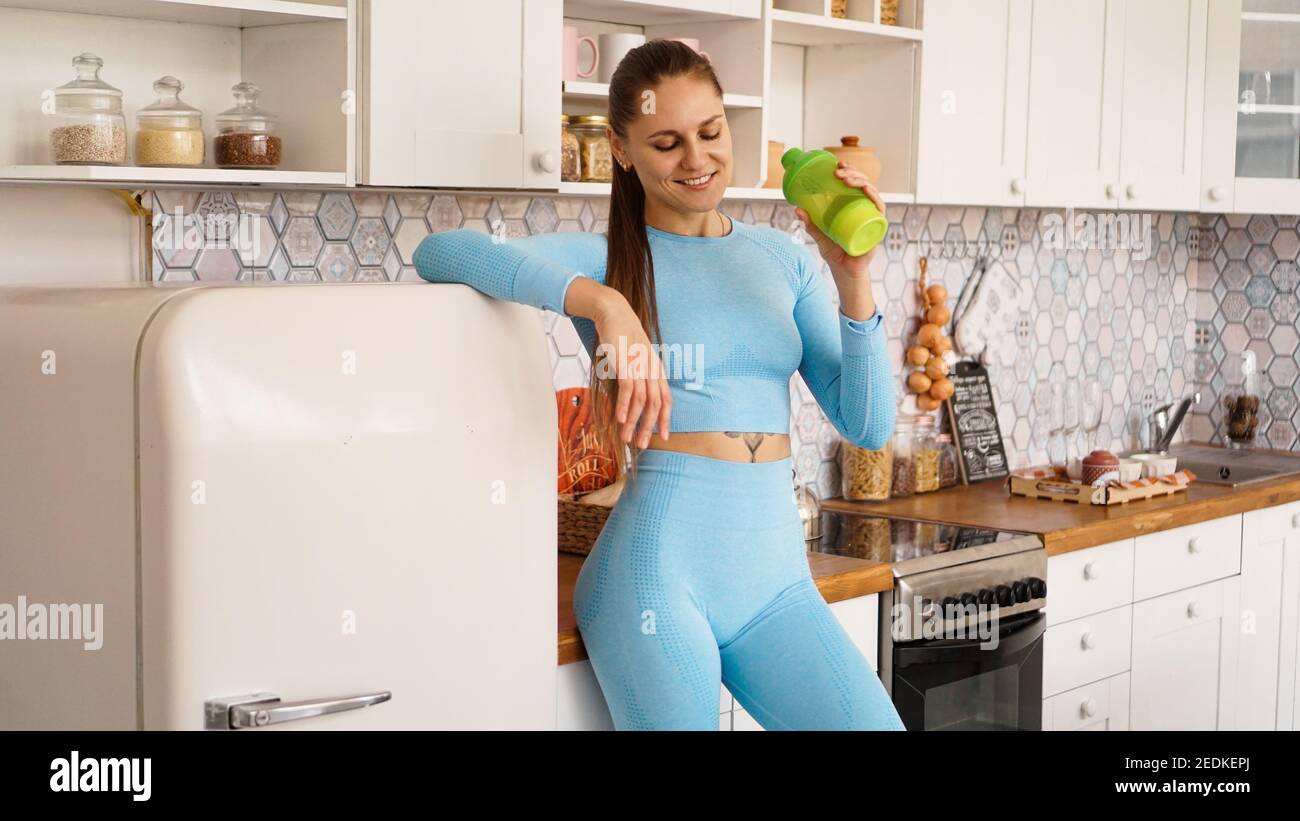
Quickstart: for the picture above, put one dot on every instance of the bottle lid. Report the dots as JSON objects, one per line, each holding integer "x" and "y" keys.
{"x": 591, "y": 119}
{"x": 861, "y": 226}
{"x": 87, "y": 92}
{"x": 169, "y": 106}
{"x": 924, "y": 420}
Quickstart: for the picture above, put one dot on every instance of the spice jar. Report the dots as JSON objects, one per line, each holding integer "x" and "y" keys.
{"x": 866, "y": 474}
{"x": 925, "y": 454}
{"x": 90, "y": 128}
{"x": 246, "y": 135}
{"x": 169, "y": 132}
{"x": 570, "y": 165}
{"x": 593, "y": 147}
{"x": 947, "y": 461}
{"x": 903, "y": 482}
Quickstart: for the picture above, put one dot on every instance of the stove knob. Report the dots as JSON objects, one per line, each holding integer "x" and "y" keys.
{"x": 1020, "y": 590}
{"x": 1005, "y": 597}
{"x": 987, "y": 598}
{"x": 1037, "y": 587}
{"x": 968, "y": 599}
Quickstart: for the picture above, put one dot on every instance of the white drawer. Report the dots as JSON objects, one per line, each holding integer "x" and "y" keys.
{"x": 1089, "y": 581}
{"x": 1085, "y": 650}
{"x": 1102, "y": 705}
{"x": 1186, "y": 556}
{"x": 860, "y": 617}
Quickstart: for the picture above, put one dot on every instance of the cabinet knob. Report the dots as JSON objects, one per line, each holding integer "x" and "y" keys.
{"x": 1217, "y": 193}
{"x": 1090, "y": 571}
{"x": 1018, "y": 185}
{"x": 545, "y": 161}
{"x": 1087, "y": 641}
{"x": 1295, "y": 521}
{"x": 1194, "y": 545}
{"x": 1110, "y": 191}
{"x": 1131, "y": 191}
{"x": 1088, "y": 708}
{"x": 1193, "y": 610}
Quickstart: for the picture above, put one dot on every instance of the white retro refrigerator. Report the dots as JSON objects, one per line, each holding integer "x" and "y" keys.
{"x": 300, "y": 507}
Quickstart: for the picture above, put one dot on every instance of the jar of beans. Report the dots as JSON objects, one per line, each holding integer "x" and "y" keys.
{"x": 246, "y": 135}
{"x": 866, "y": 474}
{"x": 947, "y": 461}
{"x": 89, "y": 128}
{"x": 903, "y": 480}
{"x": 925, "y": 454}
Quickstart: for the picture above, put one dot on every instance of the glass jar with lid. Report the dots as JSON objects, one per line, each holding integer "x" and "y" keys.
{"x": 866, "y": 475}
{"x": 903, "y": 481}
{"x": 570, "y": 164}
{"x": 925, "y": 455}
{"x": 89, "y": 126}
{"x": 246, "y": 134}
{"x": 1239, "y": 416}
{"x": 593, "y": 147}
{"x": 169, "y": 132}
{"x": 947, "y": 461}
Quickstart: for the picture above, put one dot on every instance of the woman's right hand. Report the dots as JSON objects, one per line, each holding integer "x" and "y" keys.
{"x": 643, "y": 392}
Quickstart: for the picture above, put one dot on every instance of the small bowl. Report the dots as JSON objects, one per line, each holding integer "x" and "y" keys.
{"x": 1130, "y": 470}
{"x": 1155, "y": 464}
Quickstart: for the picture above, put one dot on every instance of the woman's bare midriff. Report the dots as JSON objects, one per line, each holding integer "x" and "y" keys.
{"x": 733, "y": 446}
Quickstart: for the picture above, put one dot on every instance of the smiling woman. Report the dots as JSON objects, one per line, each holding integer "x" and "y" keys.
{"x": 700, "y": 575}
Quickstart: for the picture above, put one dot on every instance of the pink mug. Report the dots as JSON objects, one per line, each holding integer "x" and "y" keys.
{"x": 572, "y": 42}
{"x": 694, "y": 44}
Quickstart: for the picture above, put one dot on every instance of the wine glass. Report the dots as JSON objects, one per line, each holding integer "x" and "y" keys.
{"x": 1091, "y": 410}
{"x": 1071, "y": 419}
{"x": 1042, "y": 420}
{"x": 1056, "y": 444}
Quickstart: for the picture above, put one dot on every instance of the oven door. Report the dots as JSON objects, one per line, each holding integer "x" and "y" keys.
{"x": 957, "y": 684}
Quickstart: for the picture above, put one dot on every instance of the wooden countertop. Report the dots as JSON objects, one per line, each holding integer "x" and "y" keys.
{"x": 837, "y": 577}
{"x": 1065, "y": 526}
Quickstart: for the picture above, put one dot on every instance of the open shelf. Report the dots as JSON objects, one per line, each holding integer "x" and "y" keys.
{"x": 804, "y": 29}
{"x": 583, "y": 90}
{"x": 660, "y": 12}
{"x": 601, "y": 189}
{"x": 136, "y": 175}
{"x": 236, "y": 13}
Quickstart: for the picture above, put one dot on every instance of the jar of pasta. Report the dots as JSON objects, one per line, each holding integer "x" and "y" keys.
{"x": 865, "y": 475}
{"x": 570, "y": 165}
{"x": 593, "y": 147}
{"x": 169, "y": 132}
{"x": 925, "y": 455}
{"x": 903, "y": 480}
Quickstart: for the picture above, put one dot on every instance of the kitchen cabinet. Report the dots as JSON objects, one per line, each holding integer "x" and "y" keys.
{"x": 1096, "y": 103}
{"x": 974, "y": 103}
{"x": 580, "y": 705}
{"x": 1251, "y": 157}
{"x": 1270, "y": 619}
{"x": 1102, "y": 705}
{"x": 1184, "y": 659}
{"x": 461, "y": 94}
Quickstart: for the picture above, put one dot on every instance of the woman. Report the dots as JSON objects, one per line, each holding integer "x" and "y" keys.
{"x": 701, "y": 574}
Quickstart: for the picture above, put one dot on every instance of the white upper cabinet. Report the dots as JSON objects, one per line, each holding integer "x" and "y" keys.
{"x": 461, "y": 94}
{"x": 1252, "y": 108}
{"x": 974, "y": 100}
{"x": 1163, "y": 104}
{"x": 1076, "y": 72}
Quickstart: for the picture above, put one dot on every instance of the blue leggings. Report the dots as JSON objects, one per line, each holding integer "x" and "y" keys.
{"x": 701, "y": 577}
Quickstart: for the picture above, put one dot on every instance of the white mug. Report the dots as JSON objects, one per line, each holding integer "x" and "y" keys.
{"x": 613, "y": 47}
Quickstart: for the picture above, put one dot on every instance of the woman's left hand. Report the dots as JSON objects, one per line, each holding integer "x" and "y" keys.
{"x": 842, "y": 265}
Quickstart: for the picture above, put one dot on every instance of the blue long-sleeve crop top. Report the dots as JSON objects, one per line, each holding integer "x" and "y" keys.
{"x": 738, "y": 315}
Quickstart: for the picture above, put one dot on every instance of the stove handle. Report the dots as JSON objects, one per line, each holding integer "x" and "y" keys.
{"x": 261, "y": 709}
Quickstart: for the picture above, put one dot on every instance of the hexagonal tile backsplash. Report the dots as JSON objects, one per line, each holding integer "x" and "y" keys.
{"x": 1150, "y": 326}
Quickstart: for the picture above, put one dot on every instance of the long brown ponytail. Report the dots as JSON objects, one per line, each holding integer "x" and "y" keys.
{"x": 629, "y": 266}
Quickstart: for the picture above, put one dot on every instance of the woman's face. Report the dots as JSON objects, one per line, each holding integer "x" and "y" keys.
{"x": 680, "y": 146}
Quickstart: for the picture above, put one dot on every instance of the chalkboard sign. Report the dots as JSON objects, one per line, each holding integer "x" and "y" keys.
{"x": 973, "y": 420}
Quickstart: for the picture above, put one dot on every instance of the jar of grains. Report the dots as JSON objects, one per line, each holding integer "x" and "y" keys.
{"x": 169, "y": 132}
{"x": 866, "y": 474}
{"x": 947, "y": 461}
{"x": 903, "y": 482}
{"x": 570, "y": 165}
{"x": 89, "y": 127}
{"x": 925, "y": 453}
{"x": 246, "y": 135}
{"x": 593, "y": 147}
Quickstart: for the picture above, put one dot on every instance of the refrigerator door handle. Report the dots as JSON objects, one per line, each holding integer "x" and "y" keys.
{"x": 261, "y": 709}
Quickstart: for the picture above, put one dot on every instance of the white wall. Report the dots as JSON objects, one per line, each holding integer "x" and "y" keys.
{"x": 66, "y": 235}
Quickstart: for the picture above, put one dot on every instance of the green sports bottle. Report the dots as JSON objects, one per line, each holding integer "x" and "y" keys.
{"x": 845, "y": 214}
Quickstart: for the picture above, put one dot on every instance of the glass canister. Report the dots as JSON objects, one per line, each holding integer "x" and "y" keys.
{"x": 593, "y": 147}
{"x": 903, "y": 482}
{"x": 570, "y": 165}
{"x": 246, "y": 135}
{"x": 1240, "y": 413}
{"x": 866, "y": 475}
{"x": 90, "y": 128}
{"x": 169, "y": 132}
{"x": 947, "y": 461}
{"x": 925, "y": 454}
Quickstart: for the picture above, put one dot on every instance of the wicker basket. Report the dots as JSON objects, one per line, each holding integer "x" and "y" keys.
{"x": 579, "y": 524}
